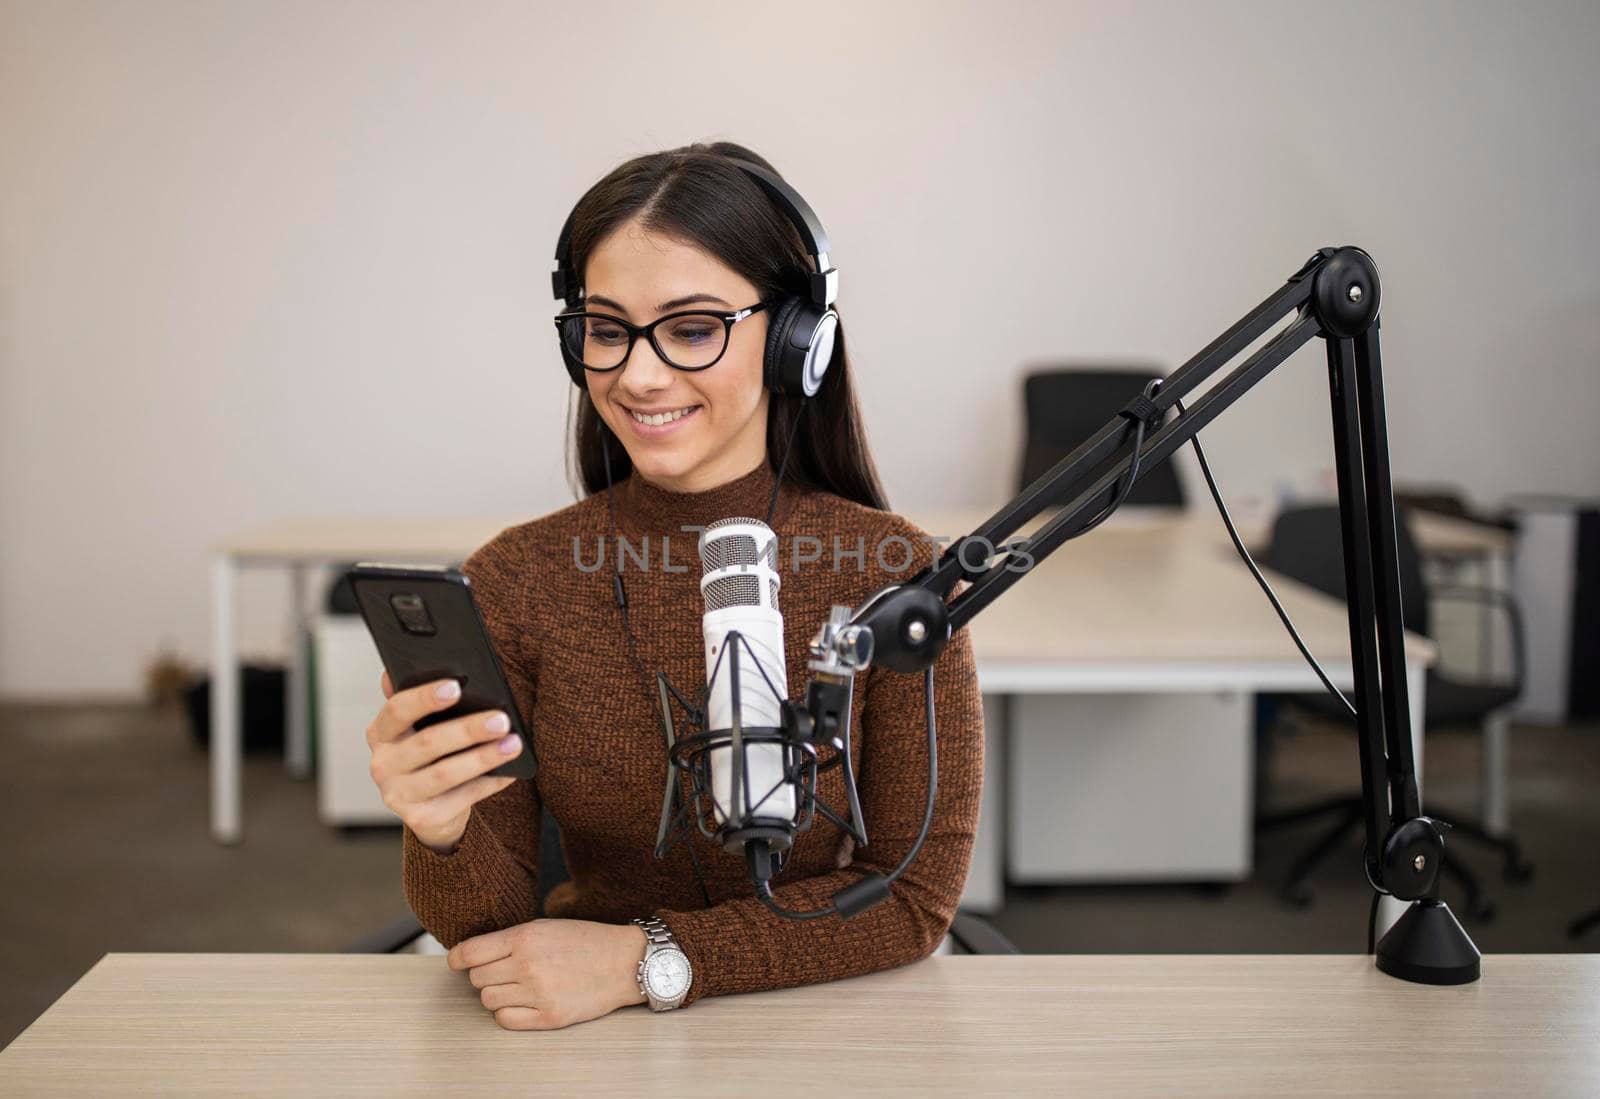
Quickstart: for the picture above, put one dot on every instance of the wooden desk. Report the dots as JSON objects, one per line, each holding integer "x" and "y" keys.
{"x": 165, "y": 1024}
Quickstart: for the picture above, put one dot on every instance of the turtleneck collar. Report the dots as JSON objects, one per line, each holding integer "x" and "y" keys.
{"x": 649, "y": 507}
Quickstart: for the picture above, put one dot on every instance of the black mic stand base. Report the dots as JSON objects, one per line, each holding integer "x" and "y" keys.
{"x": 1427, "y": 945}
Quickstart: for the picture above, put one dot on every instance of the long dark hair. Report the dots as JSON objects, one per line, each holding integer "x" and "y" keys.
{"x": 696, "y": 194}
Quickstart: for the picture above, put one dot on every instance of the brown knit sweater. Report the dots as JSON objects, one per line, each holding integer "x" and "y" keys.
{"x": 602, "y": 756}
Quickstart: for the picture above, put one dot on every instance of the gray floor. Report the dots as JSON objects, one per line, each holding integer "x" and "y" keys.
{"x": 106, "y": 849}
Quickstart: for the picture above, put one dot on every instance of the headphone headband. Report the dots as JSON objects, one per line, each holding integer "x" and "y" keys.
{"x": 822, "y": 285}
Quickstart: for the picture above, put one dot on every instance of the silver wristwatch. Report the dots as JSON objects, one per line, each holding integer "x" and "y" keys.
{"x": 664, "y": 972}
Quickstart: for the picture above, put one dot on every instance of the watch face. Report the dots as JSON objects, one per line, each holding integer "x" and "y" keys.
{"x": 667, "y": 974}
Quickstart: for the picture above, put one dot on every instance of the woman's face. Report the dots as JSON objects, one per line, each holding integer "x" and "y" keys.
{"x": 722, "y": 434}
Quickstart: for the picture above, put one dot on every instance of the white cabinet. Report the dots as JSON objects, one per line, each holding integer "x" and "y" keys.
{"x": 348, "y": 696}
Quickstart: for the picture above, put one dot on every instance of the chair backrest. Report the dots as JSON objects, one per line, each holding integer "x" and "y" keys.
{"x": 1307, "y": 546}
{"x": 1065, "y": 406}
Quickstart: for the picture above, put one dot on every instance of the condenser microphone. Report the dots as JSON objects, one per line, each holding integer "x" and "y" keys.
{"x": 753, "y": 789}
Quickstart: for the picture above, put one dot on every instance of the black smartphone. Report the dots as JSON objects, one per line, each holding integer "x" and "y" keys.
{"x": 427, "y": 627}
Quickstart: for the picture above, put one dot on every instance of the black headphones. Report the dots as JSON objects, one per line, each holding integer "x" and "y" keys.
{"x": 800, "y": 330}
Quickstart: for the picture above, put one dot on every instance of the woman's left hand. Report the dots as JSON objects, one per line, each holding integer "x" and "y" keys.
{"x": 547, "y": 974}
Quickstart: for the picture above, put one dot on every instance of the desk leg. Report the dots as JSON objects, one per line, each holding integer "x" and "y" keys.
{"x": 226, "y": 730}
{"x": 1498, "y": 578}
{"x": 1496, "y": 815}
{"x": 1495, "y": 809}
{"x": 298, "y": 750}
{"x": 1389, "y": 909}
{"x": 986, "y": 886}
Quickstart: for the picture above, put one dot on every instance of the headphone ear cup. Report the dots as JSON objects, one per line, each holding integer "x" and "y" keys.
{"x": 778, "y": 327}
{"x": 813, "y": 359}
{"x": 800, "y": 342}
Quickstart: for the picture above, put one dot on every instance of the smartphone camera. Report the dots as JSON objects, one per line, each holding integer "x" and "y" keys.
{"x": 412, "y": 613}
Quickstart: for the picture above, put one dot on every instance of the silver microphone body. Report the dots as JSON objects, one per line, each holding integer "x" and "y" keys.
{"x": 740, "y": 587}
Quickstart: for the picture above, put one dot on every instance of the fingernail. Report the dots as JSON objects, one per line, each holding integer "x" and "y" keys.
{"x": 510, "y": 744}
{"x": 497, "y": 723}
{"x": 448, "y": 689}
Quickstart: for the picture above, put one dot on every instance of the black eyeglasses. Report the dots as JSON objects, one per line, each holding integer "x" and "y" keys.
{"x": 691, "y": 340}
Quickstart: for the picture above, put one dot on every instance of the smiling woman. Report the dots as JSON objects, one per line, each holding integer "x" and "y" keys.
{"x": 667, "y": 232}
{"x": 711, "y": 381}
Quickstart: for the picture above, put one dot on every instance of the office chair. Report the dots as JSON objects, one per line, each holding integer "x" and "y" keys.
{"x": 1064, "y": 406}
{"x": 969, "y": 934}
{"x": 1306, "y": 546}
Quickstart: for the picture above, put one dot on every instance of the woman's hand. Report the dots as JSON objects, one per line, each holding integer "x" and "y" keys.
{"x": 548, "y": 974}
{"x": 432, "y": 795}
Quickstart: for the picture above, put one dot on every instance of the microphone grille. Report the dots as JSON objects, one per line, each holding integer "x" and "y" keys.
{"x": 738, "y": 547}
{"x": 732, "y": 549}
{"x": 740, "y": 556}
{"x": 736, "y": 590}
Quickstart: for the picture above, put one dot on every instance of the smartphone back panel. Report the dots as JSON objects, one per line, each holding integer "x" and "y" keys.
{"x": 426, "y": 627}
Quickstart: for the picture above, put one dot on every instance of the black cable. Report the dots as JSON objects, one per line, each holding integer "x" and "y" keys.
{"x": 764, "y": 888}
{"x": 1272, "y": 596}
{"x": 1119, "y": 492}
{"x": 764, "y": 895}
{"x": 627, "y": 629}
{"x": 933, "y": 773}
{"x": 783, "y": 464}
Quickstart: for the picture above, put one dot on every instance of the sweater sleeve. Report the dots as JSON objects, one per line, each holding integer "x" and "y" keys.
{"x": 743, "y": 946}
{"x": 488, "y": 882}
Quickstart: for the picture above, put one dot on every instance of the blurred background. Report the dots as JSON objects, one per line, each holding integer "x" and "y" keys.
{"x": 270, "y": 272}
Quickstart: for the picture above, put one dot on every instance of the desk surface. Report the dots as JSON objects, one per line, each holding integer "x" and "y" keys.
{"x": 1039, "y": 1024}
{"x": 1444, "y": 534}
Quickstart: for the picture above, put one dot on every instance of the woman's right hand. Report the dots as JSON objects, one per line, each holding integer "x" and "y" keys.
{"x": 433, "y": 795}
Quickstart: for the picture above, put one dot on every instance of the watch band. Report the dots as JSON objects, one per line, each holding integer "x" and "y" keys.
{"x": 656, "y": 931}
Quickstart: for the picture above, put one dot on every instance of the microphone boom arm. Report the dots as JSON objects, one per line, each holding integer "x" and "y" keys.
{"x": 1335, "y": 296}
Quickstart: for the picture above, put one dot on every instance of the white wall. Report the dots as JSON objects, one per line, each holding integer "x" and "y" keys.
{"x": 262, "y": 260}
